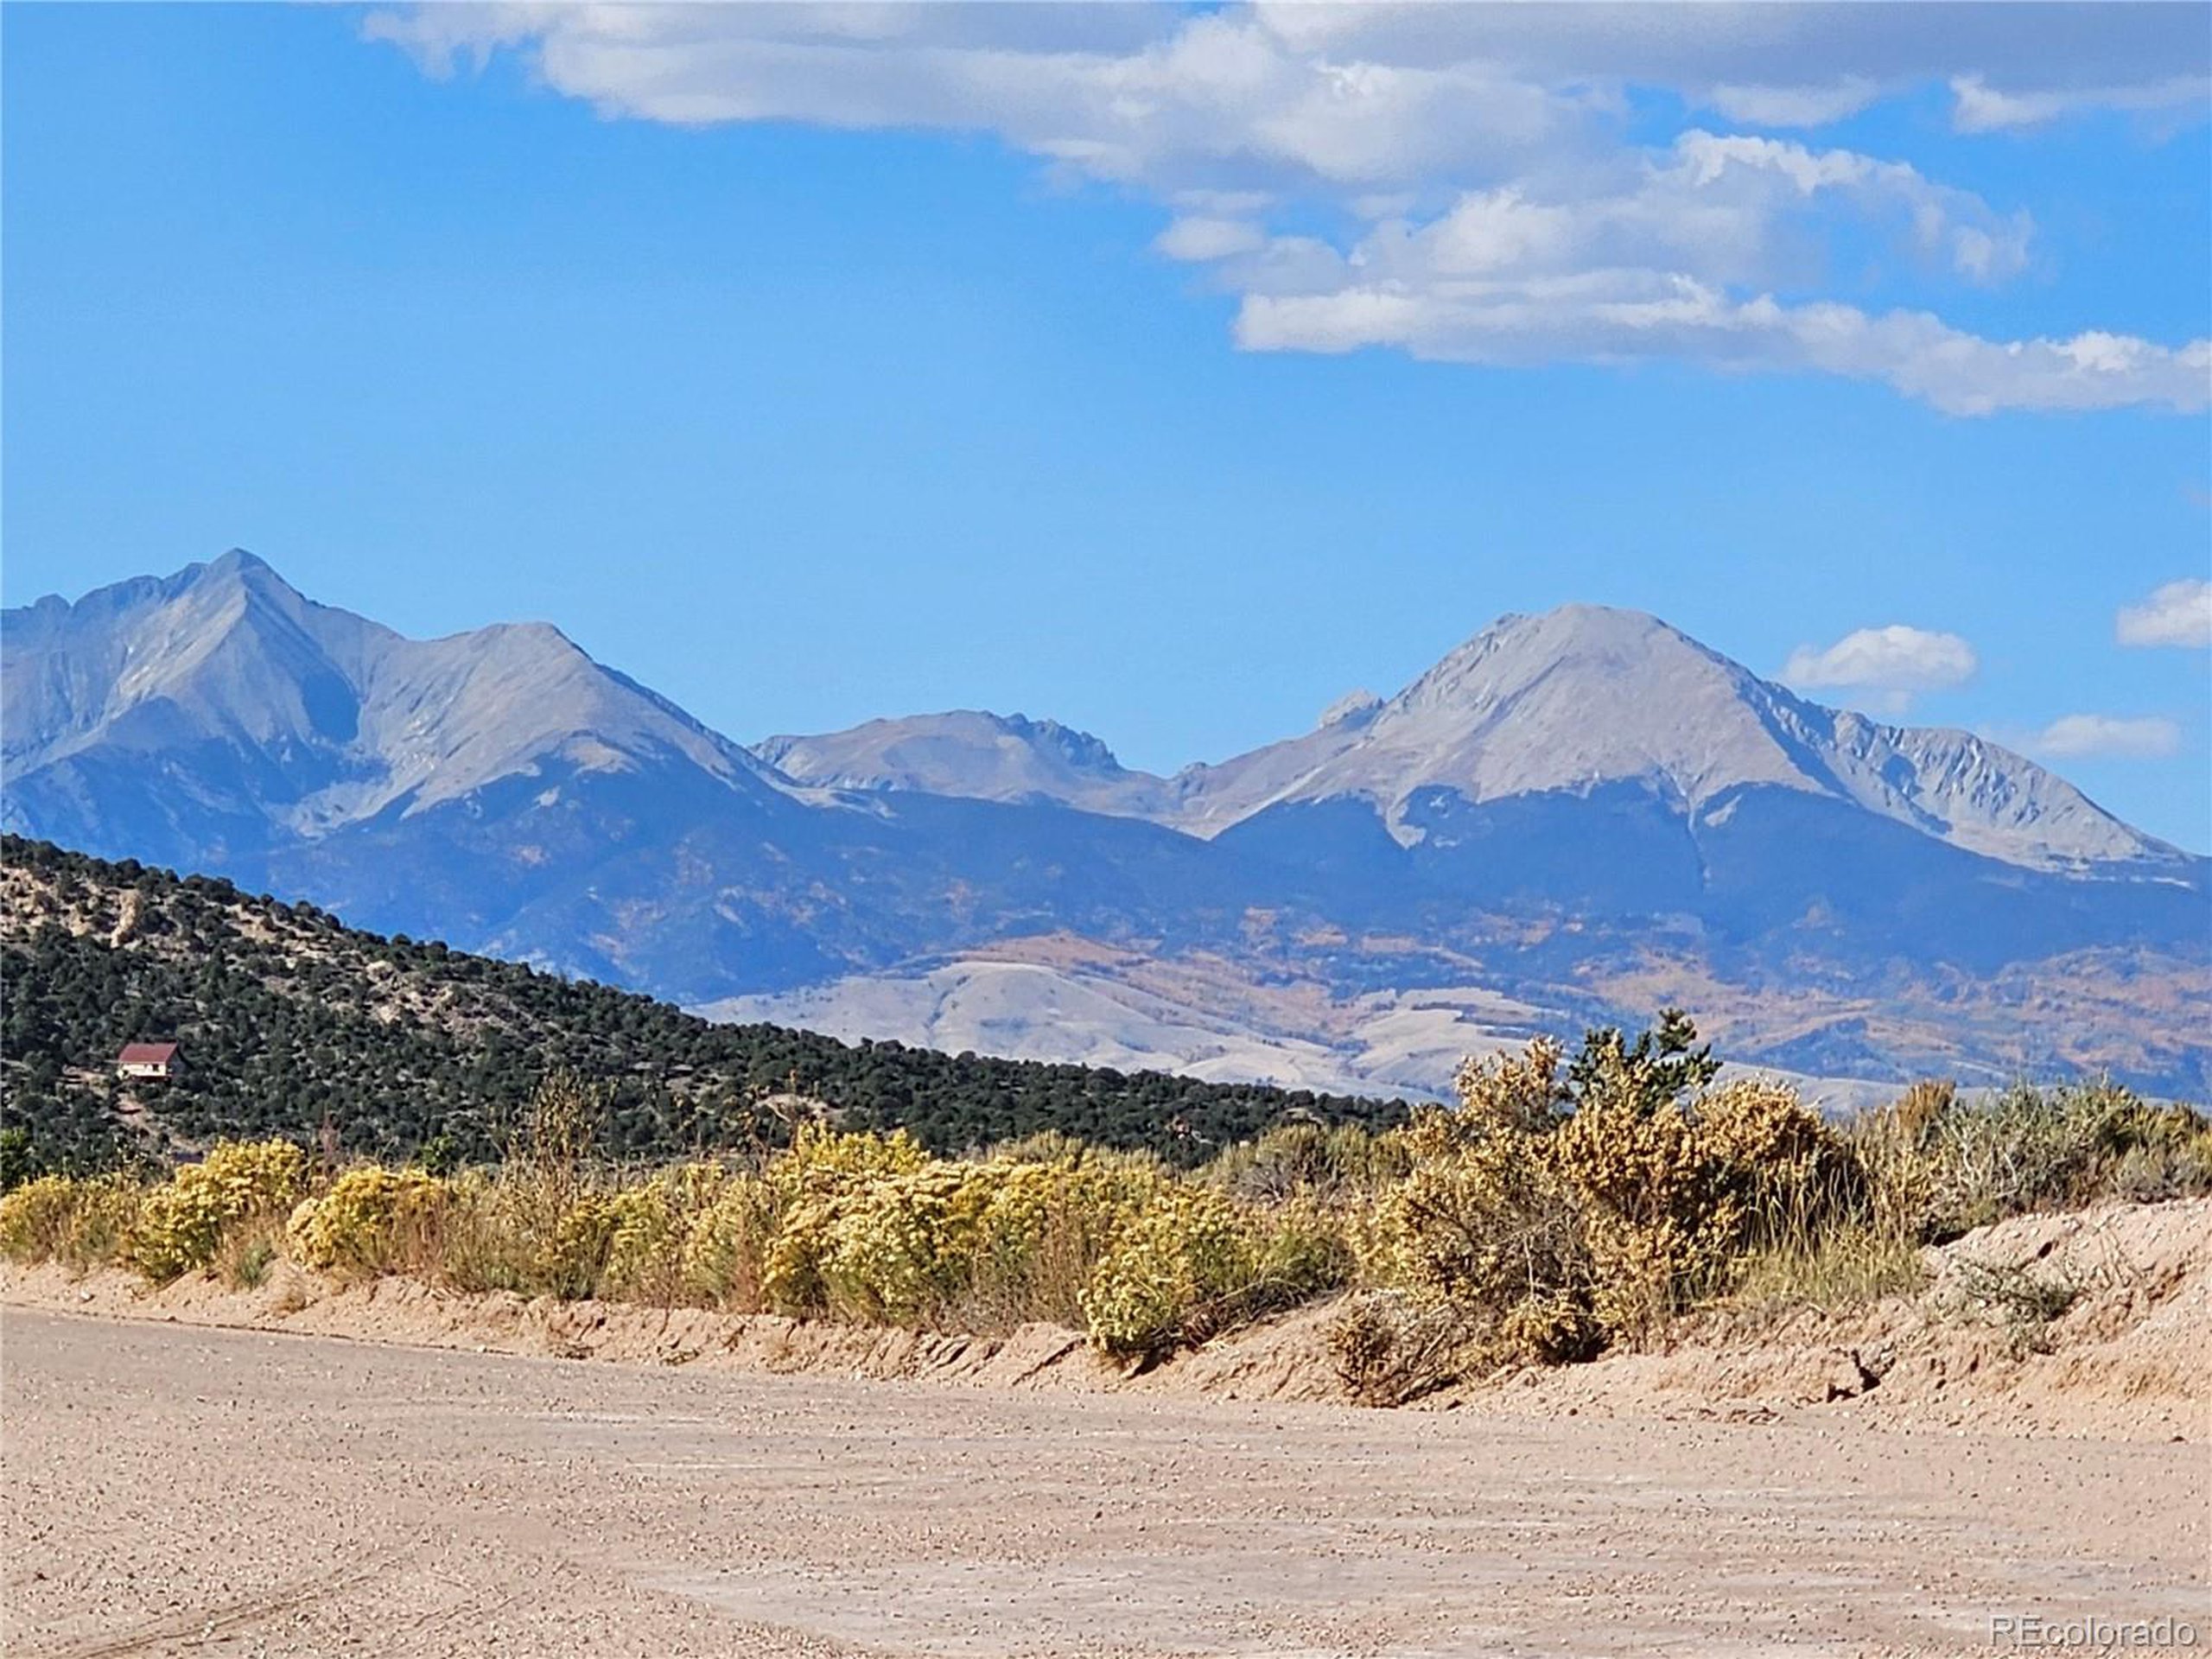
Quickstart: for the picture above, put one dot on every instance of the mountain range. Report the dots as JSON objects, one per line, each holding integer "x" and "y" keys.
{"x": 1510, "y": 714}
{"x": 1573, "y": 818}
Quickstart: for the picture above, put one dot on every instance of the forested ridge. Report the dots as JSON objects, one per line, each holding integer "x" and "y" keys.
{"x": 291, "y": 1023}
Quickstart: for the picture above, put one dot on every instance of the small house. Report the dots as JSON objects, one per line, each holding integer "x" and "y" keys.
{"x": 156, "y": 1060}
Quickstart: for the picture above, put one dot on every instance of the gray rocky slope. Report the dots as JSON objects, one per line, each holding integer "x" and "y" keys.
{"x": 1577, "y": 698}
{"x": 1573, "y": 816}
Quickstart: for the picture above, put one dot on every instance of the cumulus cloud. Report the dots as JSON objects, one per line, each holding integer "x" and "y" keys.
{"x": 1681, "y": 260}
{"x": 1457, "y": 176}
{"x": 1893, "y": 663}
{"x": 2178, "y": 613}
{"x": 1139, "y": 95}
{"x": 2073, "y": 736}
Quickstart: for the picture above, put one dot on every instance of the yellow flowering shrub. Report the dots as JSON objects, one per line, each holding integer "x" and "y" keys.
{"x": 1654, "y": 1216}
{"x": 821, "y": 1160}
{"x": 1039, "y": 1230}
{"x": 1169, "y": 1276}
{"x": 179, "y": 1226}
{"x": 1302, "y": 1249}
{"x": 648, "y": 1246}
{"x": 725, "y": 1251}
{"x": 790, "y": 1267}
{"x": 1674, "y": 1197}
{"x": 572, "y": 1248}
{"x": 81, "y": 1221}
{"x": 181, "y": 1222}
{"x": 898, "y": 1250}
{"x": 813, "y": 1183}
{"x": 257, "y": 1176}
{"x": 36, "y": 1218}
{"x": 1034, "y": 1233}
{"x": 1009, "y": 1208}
{"x": 876, "y": 1233}
{"x": 887, "y": 1248}
{"x": 1786, "y": 1169}
{"x": 371, "y": 1220}
{"x": 1519, "y": 1092}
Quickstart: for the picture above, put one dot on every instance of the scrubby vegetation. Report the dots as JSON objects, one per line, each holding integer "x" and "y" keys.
{"x": 295, "y": 1026}
{"x": 1555, "y": 1213}
{"x": 846, "y": 1226}
{"x": 1560, "y": 1208}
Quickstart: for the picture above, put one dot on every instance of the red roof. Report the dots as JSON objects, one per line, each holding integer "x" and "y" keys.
{"x": 146, "y": 1053}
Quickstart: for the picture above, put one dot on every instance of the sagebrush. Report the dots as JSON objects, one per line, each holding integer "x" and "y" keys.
{"x": 1565, "y": 1204}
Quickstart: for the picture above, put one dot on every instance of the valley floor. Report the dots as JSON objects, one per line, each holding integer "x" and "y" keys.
{"x": 173, "y": 1488}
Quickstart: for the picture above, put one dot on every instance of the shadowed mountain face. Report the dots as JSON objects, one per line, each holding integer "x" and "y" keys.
{"x": 1573, "y": 816}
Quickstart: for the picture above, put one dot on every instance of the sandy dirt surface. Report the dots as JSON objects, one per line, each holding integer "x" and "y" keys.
{"x": 176, "y": 1489}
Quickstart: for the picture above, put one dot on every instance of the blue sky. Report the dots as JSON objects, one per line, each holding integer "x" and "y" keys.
{"x": 1167, "y": 373}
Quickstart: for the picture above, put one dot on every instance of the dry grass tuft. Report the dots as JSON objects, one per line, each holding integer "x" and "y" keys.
{"x": 1390, "y": 1348}
{"x": 2021, "y": 1298}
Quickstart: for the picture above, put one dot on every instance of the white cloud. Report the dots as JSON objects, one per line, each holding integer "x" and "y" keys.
{"x": 1681, "y": 260}
{"x": 2073, "y": 736}
{"x": 2178, "y": 613}
{"x": 1979, "y": 107}
{"x": 1794, "y": 106}
{"x": 1138, "y": 95}
{"x": 1485, "y": 207}
{"x": 1618, "y": 317}
{"x": 1894, "y": 662}
{"x": 1800, "y": 63}
{"x": 1198, "y": 238}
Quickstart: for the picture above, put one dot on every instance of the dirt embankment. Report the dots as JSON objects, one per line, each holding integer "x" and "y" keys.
{"x": 2097, "y": 1324}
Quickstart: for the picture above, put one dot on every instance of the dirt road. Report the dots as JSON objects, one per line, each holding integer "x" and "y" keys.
{"x": 174, "y": 1490}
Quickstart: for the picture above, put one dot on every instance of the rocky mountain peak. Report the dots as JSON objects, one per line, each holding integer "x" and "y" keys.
{"x": 310, "y": 715}
{"x": 1081, "y": 749}
{"x": 970, "y": 753}
{"x": 1583, "y": 697}
{"x": 1354, "y": 707}
{"x": 1625, "y": 658}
